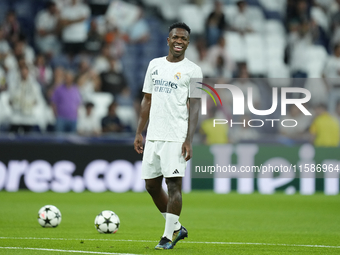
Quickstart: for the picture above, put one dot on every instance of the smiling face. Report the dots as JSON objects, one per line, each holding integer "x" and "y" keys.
{"x": 178, "y": 41}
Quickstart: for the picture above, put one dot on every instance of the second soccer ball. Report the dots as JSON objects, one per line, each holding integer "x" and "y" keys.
{"x": 107, "y": 222}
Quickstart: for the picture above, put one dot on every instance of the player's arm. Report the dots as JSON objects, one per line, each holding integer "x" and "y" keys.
{"x": 194, "y": 104}
{"x": 143, "y": 119}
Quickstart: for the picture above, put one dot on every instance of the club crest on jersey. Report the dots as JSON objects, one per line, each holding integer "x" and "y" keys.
{"x": 177, "y": 76}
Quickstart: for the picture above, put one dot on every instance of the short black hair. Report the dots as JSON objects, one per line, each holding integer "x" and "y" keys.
{"x": 180, "y": 25}
{"x": 89, "y": 104}
{"x": 50, "y": 4}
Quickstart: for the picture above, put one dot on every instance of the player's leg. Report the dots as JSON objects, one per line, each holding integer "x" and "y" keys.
{"x": 151, "y": 172}
{"x": 174, "y": 207}
{"x": 159, "y": 196}
{"x": 175, "y": 195}
{"x": 173, "y": 230}
{"x": 173, "y": 167}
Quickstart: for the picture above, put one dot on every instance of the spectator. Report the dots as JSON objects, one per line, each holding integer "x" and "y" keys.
{"x": 139, "y": 32}
{"x": 46, "y": 24}
{"x": 102, "y": 62}
{"x": 220, "y": 60}
{"x": 215, "y": 24}
{"x": 4, "y": 46}
{"x": 332, "y": 68}
{"x": 94, "y": 39}
{"x": 325, "y": 128}
{"x": 244, "y": 83}
{"x": 58, "y": 77}
{"x": 74, "y": 27}
{"x": 298, "y": 41}
{"x": 58, "y": 80}
{"x": 199, "y": 55}
{"x": 11, "y": 27}
{"x": 242, "y": 20}
{"x": 66, "y": 100}
{"x": 112, "y": 81}
{"x": 88, "y": 123}
{"x": 332, "y": 75}
{"x": 43, "y": 72}
{"x": 297, "y": 11}
{"x": 122, "y": 15}
{"x": 3, "y": 80}
{"x": 116, "y": 40}
{"x": 303, "y": 122}
{"x": 20, "y": 50}
{"x": 111, "y": 123}
{"x": 239, "y": 133}
{"x": 24, "y": 96}
{"x": 98, "y": 7}
{"x": 14, "y": 72}
{"x": 88, "y": 80}
{"x": 335, "y": 24}
{"x": 213, "y": 135}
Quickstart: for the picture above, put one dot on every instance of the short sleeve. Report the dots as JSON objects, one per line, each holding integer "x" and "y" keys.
{"x": 148, "y": 85}
{"x": 195, "y": 83}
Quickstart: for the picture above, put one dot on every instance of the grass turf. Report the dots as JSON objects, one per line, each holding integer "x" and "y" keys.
{"x": 249, "y": 221}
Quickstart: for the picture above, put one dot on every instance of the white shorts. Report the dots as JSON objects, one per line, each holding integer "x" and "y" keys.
{"x": 163, "y": 158}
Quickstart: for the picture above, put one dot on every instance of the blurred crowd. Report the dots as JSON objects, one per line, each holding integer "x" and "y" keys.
{"x": 80, "y": 66}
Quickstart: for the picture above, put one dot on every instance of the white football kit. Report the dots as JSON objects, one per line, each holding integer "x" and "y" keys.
{"x": 169, "y": 84}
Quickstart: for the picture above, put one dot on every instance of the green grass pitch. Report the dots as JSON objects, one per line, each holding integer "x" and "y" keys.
{"x": 217, "y": 224}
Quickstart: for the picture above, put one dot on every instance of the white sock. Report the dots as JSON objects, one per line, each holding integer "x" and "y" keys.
{"x": 171, "y": 220}
{"x": 178, "y": 225}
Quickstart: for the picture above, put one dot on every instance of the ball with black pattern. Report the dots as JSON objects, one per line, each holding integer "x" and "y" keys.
{"x": 49, "y": 216}
{"x": 107, "y": 222}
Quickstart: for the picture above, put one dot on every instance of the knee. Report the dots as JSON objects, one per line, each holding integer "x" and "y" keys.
{"x": 174, "y": 185}
{"x": 151, "y": 188}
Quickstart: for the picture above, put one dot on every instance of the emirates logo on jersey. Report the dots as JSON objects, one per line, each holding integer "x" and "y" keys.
{"x": 177, "y": 76}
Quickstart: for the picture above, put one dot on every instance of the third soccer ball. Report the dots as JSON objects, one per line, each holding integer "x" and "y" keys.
{"x": 107, "y": 222}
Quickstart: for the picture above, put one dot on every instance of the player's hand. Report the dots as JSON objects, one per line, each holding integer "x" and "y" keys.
{"x": 186, "y": 150}
{"x": 138, "y": 143}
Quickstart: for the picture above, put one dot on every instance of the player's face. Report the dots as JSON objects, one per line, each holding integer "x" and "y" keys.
{"x": 178, "y": 41}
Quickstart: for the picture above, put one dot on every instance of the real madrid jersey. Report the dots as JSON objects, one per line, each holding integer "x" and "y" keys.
{"x": 169, "y": 84}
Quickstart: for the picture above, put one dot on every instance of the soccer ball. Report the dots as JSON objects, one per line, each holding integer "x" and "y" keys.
{"x": 107, "y": 222}
{"x": 49, "y": 216}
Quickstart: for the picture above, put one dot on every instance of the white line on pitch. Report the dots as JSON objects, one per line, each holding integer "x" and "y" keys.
{"x": 69, "y": 251}
{"x": 149, "y": 241}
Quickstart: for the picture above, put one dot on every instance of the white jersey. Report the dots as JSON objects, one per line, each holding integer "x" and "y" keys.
{"x": 169, "y": 84}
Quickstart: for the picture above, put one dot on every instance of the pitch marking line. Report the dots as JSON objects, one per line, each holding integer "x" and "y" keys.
{"x": 148, "y": 241}
{"x": 69, "y": 251}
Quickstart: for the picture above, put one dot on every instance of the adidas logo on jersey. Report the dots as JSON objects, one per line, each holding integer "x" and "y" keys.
{"x": 155, "y": 72}
{"x": 175, "y": 172}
